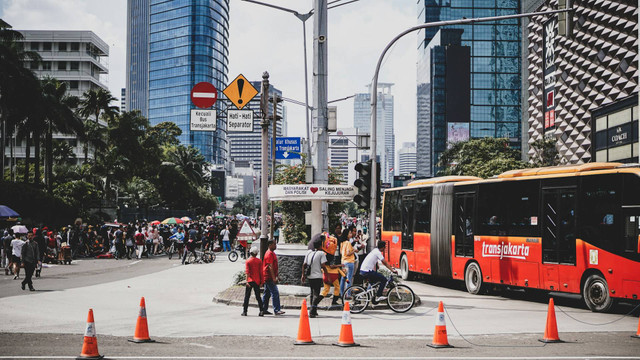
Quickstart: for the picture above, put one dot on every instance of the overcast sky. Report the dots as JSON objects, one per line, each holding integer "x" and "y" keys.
{"x": 266, "y": 39}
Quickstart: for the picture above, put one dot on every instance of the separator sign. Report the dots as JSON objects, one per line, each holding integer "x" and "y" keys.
{"x": 240, "y": 120}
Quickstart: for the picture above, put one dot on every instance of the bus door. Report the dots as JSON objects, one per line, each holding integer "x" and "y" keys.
{"x": 558, "y": 235}
{"x": 463, "y": 223}
{"x": 632, "y": 230}
{"x": 408, "y": 206}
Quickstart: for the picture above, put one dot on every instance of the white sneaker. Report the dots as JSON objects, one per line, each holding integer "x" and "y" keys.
{"x": 381, "y": 298}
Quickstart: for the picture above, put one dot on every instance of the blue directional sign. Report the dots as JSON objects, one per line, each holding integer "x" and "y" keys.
{"x": 288, "y": 148}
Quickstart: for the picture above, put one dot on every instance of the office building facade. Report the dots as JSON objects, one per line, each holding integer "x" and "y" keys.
{"x": 173, "y": 45}
{"x": 493, "y": 71}
{"x": 407, "y": 159}
{"x": 386, "y": 140}
{"x": 582, "y": 80}
{"x": 343, "y": 155}
{"x": 78, "y": 58}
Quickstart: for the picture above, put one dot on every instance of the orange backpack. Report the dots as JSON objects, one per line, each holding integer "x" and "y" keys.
{"x": 330, "y": 244}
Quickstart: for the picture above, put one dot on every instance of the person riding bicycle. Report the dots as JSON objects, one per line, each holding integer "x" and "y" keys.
{"x": 368, "y": 269}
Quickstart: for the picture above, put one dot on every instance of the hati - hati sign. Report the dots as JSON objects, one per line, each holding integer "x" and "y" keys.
{"x": 309, "y": 192}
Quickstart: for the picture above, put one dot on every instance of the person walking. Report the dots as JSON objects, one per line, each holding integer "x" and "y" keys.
{"x": 348, "y": 260}
{"x": 270, "y": 274}
{"x": 140, "y": 242}
{"x": 16, "y": 253}
{"x": 314, "y": 262}
{"x": 253, "y": 269}
{"x": 30, "y": 255}
{"x": 225, "y": 234}
{"x": 6, "y": 251}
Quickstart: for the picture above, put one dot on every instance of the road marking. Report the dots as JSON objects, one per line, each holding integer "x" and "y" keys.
{"x": 202, "y": 345}
{"x": 135, "y": 262}
{"x": 349, "y": 357}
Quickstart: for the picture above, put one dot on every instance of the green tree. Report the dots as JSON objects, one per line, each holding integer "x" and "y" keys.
{"x": 190, "y": 162}
{"x": 140, "y": 193}
{"x": 480, "y": 157}
{"x": 77, "y": 193}
{"x": 546, "y": 153}
{"x": 245, "y": 204}
{"x": 93, "y": 103}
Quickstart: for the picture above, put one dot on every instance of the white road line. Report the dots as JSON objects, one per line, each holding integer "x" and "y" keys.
{"x": 135, "y": 262}
{"x": 324, "y": 357}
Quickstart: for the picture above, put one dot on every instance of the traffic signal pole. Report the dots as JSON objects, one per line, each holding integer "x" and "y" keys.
{"x": 374, "y": 99}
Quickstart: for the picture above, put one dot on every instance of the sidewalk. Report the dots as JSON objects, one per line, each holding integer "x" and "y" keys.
{"x": 291, "y": 297}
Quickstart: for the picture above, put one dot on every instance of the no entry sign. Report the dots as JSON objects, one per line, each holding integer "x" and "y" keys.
{"x": 204, "y": 95}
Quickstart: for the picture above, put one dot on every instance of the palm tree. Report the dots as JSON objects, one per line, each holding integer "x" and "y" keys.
{"x": 92, "y": 103}
{"x": 190, "y": 162}
{"x": 17, "y": 84}
{"x": 59, "y": 117}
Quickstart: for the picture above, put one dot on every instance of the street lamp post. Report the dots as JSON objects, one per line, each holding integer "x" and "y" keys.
{"x": 374, "y": 97}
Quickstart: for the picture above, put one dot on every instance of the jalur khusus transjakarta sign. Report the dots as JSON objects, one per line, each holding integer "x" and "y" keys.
{"x": 307, "y": 192}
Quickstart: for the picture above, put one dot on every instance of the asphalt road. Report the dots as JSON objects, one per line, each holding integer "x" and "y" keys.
{"x": 50, "y": 323}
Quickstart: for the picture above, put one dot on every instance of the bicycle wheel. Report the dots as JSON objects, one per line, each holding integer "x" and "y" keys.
{"x": 191, "y": 258}
{"x": 208, "y": 257}
{"x": 400, "y": 298}
{"x": 357, "y": 297}
{"x": 233, "y": 256}
{"x": 170, "y": 251}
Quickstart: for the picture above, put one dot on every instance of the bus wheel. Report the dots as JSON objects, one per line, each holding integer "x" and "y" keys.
{"x": 404, "y": 268}
{"x": 596, "y": 294}
{"x": 473, "y": 278}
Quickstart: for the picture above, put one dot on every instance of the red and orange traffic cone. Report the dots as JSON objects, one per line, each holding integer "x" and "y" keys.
{"x": 141, "y": 334}
{"x": 304, "y": 330}
{"x": 551, "y": 329}
{"x": 346, "y": 333}
{"x": 637, "y": 335}
{"x": 440, "y": 334}
{"x": 90, "y": 344}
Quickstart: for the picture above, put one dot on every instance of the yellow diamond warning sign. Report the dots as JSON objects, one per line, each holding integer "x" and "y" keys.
{"x": 240, "y": 91}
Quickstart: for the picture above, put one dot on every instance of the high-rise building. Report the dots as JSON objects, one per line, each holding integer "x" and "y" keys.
{"x": 386, "y": 140}
{"x": 123, "y": 100}
{"x": 407, "y": 159}
{"x": 343, "y": 154}
{"x": 171, "y": 46}
{"x": 582, "y": 80}
{"x": 493, "y": 50}
{"x": 245, "y": 147}
{"x": 79, "y": 58}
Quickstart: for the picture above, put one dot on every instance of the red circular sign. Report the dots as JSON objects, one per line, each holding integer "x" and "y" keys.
{"x": 204, "y": 95}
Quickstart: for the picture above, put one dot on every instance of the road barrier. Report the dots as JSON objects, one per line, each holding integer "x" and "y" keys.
{"x": 637, "y": 335}
{"x": 304, "y": 330}
{"x": 440, "y": 334}
{"x": 141, "y": 334}
{"x": 90, "y": 344}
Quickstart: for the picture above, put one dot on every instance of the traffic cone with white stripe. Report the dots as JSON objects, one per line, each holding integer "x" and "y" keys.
{"x": 346, "y": 333}
{"x": 637, "y": 335}
{"x": 141, "y": 334}
{"x": 90, "y": 345}
{"x": 551, "y": 329}
{"x": 440, "y": 334}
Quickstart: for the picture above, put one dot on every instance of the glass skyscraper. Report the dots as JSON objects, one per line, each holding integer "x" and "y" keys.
{"x": 494, "y": 81}
{"x": 173, "y": 45}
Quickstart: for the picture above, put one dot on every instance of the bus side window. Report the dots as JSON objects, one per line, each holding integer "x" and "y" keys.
{"x": 423, "y": 211}
{"x": 392, "y": 214}
{"x": 600, "y": 211}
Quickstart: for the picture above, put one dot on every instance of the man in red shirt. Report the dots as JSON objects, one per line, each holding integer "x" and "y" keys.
{"x": 270, "y": 272}
{"x": 253, "y": 269}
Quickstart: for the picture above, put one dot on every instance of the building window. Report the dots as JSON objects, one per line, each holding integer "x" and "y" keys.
{"x": 73, "y": 84}
{"x": 62, "y": 46}
{"x": 46, "y": 65}
{"x": 74, "y": 65}
{"x": 35, "y": 46}
{"x": 33, "y": 65}
{"x": 75, "y": 46}
{"x": 62, "y": 65}
{"x": 46, "y": 46}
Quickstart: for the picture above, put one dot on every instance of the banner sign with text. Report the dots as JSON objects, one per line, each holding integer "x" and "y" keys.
{"x": 203, "y": 120}
{"x": 240, "y": 120}
{"x": 307, "y": 192}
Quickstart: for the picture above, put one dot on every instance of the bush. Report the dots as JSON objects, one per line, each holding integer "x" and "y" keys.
{"x": 240, "y": 278}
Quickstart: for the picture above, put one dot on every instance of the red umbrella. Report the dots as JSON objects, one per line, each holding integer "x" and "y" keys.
{"x": 155, "y": 222}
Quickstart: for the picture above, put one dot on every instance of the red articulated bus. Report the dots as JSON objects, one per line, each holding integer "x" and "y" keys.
{"x": 573, "y": 229}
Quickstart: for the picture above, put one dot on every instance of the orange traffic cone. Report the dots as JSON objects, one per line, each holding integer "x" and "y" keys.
{"x": 346, "y": 334}
{"x": 90, "y": 345}
{"x": 141, "y": 334}
{"x": 440, "y": 334}
{"x": 304, "y": 330}
{"x": 637, "y": 335}
{"x": 551, "y": 330}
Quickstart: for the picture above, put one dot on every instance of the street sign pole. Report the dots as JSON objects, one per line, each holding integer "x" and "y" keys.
{"x": 264, "y": 163}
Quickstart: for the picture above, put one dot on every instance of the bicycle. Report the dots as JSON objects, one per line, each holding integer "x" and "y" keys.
{"x": 172, "y": 249}
{"x": 233, "y": 254}
{"x": 201, "y": 257}
{"x": 400, "y": 297}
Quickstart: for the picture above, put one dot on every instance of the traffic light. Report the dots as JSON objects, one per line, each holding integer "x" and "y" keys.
{"x": 363, "y": 183}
